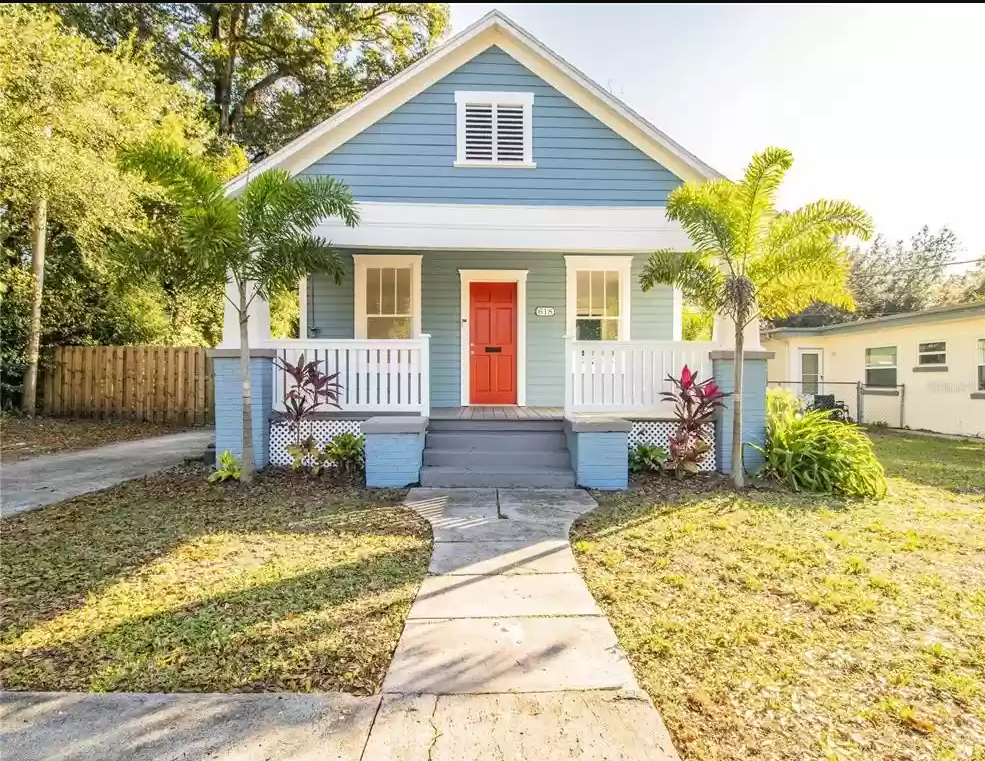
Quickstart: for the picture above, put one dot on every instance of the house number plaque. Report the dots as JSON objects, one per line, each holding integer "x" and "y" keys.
{"x": 544, "y": 311}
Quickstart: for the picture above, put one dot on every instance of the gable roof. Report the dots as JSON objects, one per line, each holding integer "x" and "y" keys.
{"x": 939, "y": 314}
{"x": 492, "y": 29}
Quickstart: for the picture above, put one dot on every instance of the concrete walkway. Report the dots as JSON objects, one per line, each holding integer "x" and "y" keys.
{"x": 504, "y": 656}
{"x": 29, "y": 484}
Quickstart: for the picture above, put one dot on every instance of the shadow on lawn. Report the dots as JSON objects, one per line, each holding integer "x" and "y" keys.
{"x": 242, "y": 641}
{"x": 54, "y": 558}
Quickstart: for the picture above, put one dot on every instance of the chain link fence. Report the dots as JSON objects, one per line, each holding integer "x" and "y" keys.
{"x": 865, "y": 405}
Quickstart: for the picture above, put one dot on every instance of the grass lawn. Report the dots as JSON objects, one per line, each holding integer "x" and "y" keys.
{"x": 782, "y": 626}
{"x": 22, "y": 438}
{"x": 169, "y": 584}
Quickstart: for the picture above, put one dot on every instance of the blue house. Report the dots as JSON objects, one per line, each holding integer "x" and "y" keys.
{"x": 490, "y": 328}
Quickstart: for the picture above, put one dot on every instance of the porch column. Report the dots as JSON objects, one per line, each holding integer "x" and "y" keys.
{"x": 258, "y": 326}
{"x": 229, "y": 401}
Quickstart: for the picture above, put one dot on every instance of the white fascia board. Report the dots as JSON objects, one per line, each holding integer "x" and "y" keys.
{"x": 492, "y": 29}
{"x": 478, "y": 227}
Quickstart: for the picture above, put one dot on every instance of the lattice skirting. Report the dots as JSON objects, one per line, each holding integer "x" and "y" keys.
{"x": 658, "y": 432}
{"x": 282, "y": 436}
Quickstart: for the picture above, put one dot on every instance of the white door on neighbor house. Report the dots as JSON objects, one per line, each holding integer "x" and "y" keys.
{"x": 811, "y": 370}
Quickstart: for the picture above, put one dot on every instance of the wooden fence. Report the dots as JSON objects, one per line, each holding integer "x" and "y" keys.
{"x": 160, "y": 384}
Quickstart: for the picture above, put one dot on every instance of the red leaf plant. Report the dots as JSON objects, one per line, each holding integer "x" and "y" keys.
{"x": 311, "y": 390}
{"x": 695, "y": 402}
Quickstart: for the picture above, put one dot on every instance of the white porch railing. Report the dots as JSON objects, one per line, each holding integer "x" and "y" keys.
{"x": 628, "y": 376}
{"x": 391, "y": 375}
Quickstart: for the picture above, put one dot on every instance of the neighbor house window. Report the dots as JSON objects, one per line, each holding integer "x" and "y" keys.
{"x": 981, "y": 364}
{"x": 388, "y": 296}
{"x": 880, "y": 366}
{"x": 934, "y": 353}
{"x": 598, "y": 301}
{"x": 494, "y": 129}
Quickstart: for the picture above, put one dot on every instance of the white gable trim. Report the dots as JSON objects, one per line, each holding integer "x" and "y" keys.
{"x": 492, "y": 29}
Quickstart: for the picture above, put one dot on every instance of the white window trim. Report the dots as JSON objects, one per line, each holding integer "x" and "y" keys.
{"x": 495, "y": 276}
{"x": 868, "y": 367}
{"x": 623, "y": 264}
{"x": 364, "y": 262}
{"x": 922, "y": 353}
{"x": 525, "y": 99}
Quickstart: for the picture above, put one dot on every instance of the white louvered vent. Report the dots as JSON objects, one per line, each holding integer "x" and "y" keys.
{"x": 509, "y": 133}
{"x": 494, "y": 129}
{"x": 479, "y": 132}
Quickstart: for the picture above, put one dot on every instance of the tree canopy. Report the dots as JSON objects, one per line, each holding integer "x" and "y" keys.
{"x": 67, "y": 110}
{"x": 269, "y": 71}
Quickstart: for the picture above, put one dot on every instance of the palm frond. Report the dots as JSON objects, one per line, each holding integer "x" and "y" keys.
{"x": 187, "y": 178}
{"x": 707, "y": 214}
{"x": 276, "y": 206}
{"x": 815, "y": 270}
{"x": 695, "y": 274}
{"x": 757, "y": 195}
{"x": 821, "y": 219}
{"x": 279, "y": 267}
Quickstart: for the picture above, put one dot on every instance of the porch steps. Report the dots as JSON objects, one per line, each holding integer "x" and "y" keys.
{"x": 496, "y": 453}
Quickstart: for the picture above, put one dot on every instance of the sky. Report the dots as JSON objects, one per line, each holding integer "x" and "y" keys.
{"x": 883, "y": 105}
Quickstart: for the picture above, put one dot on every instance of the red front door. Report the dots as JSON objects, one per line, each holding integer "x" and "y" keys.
{"x": 492, "y": 333}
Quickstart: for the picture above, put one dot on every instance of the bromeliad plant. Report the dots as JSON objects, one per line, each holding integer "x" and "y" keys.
{"x": 695, "y": 403}
{"x": 647, "y": 458}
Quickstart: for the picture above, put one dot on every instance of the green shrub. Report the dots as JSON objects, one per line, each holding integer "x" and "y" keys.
{"x": 811, "y": 452}
{"x": 644, "y": 458}
{"x": 346, "y": 452}
{"x": 228, "y": 468}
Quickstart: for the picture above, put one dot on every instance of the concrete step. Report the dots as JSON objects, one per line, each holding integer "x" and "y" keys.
{"x": 495, "y": 425}
{"x": 497, "y": 441}
{"x": 444, "y": 476}
{"x": 481, "y": 459}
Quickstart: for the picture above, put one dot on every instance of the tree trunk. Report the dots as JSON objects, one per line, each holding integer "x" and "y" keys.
{"x": 246, "y": 472}
{"x": 39, "y": 230}
{"x": 738, "y": 475}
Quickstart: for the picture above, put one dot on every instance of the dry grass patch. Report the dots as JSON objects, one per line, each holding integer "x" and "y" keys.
{"x": 22, "y": 438}
{"x": 781, "y": 626}
{"x": 169, "y": 584}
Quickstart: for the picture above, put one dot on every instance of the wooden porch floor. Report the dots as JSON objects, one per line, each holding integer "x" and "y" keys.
{"x": 509, "y": 412}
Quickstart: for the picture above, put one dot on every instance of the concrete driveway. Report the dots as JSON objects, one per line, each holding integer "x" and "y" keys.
{"x": 30, "y": 484}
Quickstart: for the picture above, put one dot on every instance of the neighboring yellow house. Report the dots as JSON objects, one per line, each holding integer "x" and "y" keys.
{"x": 922, "y": 370}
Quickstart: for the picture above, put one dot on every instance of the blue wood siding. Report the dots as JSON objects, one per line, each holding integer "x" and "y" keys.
{"x": 330, "y": 315}
{"x": 407, "y": 156}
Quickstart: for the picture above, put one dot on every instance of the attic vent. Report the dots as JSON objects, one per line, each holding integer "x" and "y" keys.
{"x": 495, "y": 129}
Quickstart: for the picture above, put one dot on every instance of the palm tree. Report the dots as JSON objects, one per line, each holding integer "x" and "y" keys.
{"x": 261, "y": 240}
{"x": 749, "y": 261}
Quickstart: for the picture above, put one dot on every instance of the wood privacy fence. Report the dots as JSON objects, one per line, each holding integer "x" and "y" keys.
{"x": 160, "y": 384}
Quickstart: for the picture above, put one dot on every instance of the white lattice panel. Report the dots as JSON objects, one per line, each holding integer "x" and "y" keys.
{"x": 282, "y": 436}
{"x": 658, "y": 432}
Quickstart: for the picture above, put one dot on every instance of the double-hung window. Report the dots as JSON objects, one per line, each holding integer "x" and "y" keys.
{"x": 494, "y": 129}
{"x": 981, "y": 364}
{"x": 388, "y": 296}
{"x": 598, "y": 304}
{"x": 933, "y": 353}
{"x": 880, "y": 367}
